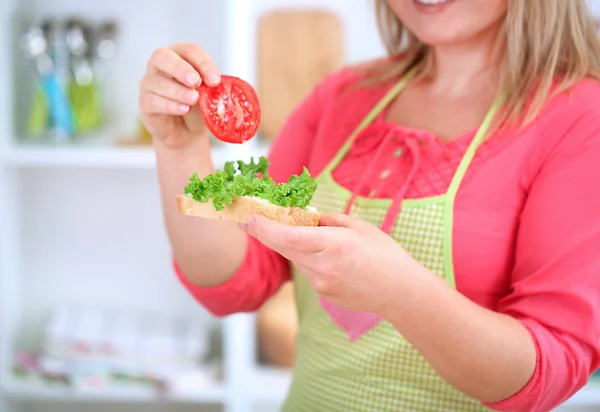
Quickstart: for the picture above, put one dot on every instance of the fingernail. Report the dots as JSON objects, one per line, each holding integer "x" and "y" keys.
{"x": 183, "y": 108}
{"x": 250, "y": 221}
{"x": 243, "y": 227}
{"x": 212, "y": 78}
{"x": 192, "y": 78}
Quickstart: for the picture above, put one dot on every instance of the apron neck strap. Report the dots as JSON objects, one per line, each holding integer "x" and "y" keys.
{"x": 474, "y": 145}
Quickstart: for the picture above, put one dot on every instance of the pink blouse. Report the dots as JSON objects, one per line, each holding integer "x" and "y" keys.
{"x": 526, "y": 225}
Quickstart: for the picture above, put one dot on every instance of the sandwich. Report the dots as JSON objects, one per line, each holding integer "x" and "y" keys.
{"x": 243, "y": 189}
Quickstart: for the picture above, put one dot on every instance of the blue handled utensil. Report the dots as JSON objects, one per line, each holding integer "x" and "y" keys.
{"x": 34, "y": 44}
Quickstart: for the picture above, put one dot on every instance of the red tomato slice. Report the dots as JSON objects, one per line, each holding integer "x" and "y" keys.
{"x": 231, "y": 110}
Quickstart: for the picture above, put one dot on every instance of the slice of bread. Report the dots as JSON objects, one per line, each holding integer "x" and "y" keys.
{"x": 243, "y": 207}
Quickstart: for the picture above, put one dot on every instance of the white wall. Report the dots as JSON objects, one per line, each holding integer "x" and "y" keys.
{"x": 595, "y": 6}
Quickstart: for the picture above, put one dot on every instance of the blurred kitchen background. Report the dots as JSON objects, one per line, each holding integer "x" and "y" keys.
{"x": 92, "y": 317}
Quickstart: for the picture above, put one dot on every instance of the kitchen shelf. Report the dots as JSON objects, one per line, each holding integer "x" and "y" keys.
{"x": 14, "y": 390}
{"x": 107, "y": 157}
{"x": 111, "y": 156}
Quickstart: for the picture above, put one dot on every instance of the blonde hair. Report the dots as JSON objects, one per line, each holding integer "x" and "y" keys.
{"x": 547, "y": 46}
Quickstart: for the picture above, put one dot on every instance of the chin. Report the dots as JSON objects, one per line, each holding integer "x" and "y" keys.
{"x": 440, "y": 38}
{"x": 438, "y": 22}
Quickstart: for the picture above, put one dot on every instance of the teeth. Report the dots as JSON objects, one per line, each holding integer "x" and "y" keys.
{"x": 432, "y": 1}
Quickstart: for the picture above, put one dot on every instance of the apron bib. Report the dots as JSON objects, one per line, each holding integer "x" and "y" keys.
{"x": 352, "y": 361}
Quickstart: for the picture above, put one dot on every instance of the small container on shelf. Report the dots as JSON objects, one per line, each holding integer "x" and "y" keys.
{"x": 68, "y": 59}
{"x": 96, "y": 350}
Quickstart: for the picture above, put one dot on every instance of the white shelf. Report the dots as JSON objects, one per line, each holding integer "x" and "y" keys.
{"x": 15, "y": 390}
{"x": 114, "y": 157}
{"x": 74, "y": 156}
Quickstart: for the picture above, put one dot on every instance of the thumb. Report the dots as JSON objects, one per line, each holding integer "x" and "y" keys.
{"x": 341, "y": 220}
{"x": 193, "y": 120}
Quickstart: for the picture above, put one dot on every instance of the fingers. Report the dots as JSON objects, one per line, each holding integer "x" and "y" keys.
{"x": 282, "y": 238}
{"x": 201, "y": 62}
{"x": 173, "y": 76}
{"x": 167, "y": 61}
{"x": 170, "y": 89}
{"x": 187, "y": 63}
{"x": 342, "y": 220}
{"x": 153, "y": 103}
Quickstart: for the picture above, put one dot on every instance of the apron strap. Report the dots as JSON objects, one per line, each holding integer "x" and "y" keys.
{"x": 473, "y": 146}
{"x": 455, "y": 183}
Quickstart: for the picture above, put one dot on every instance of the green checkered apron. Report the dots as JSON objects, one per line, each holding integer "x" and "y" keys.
{"x": 350, "y": 361}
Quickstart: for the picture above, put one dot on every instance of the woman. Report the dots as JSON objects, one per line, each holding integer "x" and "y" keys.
{"x": 457, "y": 268}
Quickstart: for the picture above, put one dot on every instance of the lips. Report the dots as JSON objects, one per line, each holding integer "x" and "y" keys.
{"x": 432, "y": 6}
{"x": 432, "y": 2}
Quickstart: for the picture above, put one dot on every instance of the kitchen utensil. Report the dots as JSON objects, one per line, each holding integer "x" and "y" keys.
{"x": 296, "y": 48}
{"x": 83, "y": 87}
{"x": 36, "y": 45}
{"x": 33, "y": 44}
{"x": 104, "y": 49}
{"x": 78, "y": 43}
{"x": 106, "y": 44}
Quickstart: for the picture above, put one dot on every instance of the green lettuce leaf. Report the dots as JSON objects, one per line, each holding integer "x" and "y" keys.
{"x": 251, "y": 179}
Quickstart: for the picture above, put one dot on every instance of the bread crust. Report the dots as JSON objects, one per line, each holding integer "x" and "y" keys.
{"x": 243, "y": 207}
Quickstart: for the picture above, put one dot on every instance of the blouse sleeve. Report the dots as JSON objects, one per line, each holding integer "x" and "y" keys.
{"x": 263, "y": 270}
{"x": 556, "y": 279}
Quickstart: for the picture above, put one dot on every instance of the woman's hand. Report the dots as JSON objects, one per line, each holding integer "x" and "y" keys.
{"x": 168, "y": 91}
{"x": 347, "y": 261}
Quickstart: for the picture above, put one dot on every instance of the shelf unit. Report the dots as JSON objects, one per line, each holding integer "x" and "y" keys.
{"x": 37, "y": 272}
{"x": 110, "y": 157}
{"x": 212, "y": 394}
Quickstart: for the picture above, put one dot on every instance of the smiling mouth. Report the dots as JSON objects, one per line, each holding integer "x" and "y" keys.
{"x": 432, "y": 6}
{"x": 431, "y": 2}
